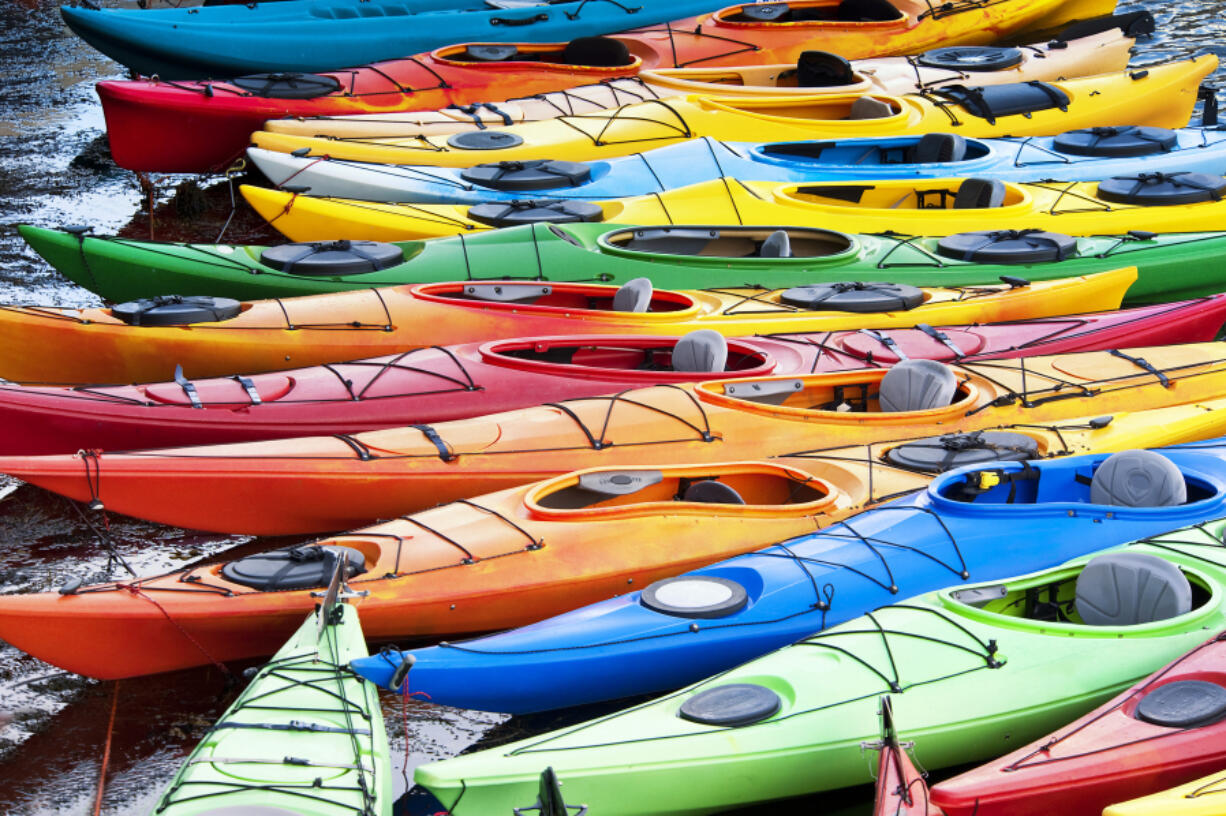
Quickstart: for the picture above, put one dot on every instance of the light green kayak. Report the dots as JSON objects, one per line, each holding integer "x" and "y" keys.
{"x": 305, "y": 737}
{"x": 973, "y": 672}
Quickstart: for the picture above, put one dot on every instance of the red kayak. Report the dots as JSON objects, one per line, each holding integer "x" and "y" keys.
{"x": 900, "y": 789}
{"x": 445, "y": 383}
{"x": 1145, "y": 740}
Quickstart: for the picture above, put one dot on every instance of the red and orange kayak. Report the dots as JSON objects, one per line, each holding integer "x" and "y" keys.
{"x": 520, "y": 555}
{"x": 338, "y": 482}
{"x": 126, "y": 344}
{"x": 456, "y": 382}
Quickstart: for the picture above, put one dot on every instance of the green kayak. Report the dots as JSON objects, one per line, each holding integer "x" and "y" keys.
{"x": 1171, "y": 267}
{"x": 306, "y": 736}
{"x": 973, "y": 672}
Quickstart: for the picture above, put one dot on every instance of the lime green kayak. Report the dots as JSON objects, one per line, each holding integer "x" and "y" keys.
{"x": 1170, "y": 267}
{"x": 306, "y": 736}
{"x": 973, "y": 672}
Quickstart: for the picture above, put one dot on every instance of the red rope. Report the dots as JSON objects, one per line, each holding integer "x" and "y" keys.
{"x": 106, "y": 752}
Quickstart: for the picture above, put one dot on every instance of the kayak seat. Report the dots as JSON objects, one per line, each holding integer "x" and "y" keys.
{"x": 776, "y": 245}
{"x": 979, "y": 194}
{"x": 866, "y": 107}
{"x": 1011, "y": 99}
{"x": 1138, "y": 478}
{"x": 709, "y": 491}
{"x": 917, "y": 385}
{"x": 633, "y": 296}
{"x": 821, "y": 69}
{"x": 301, "y": 567}
{"x": 704, "y": 350}
{"x": 494, "y": 52}
{"x": 1129, "y": 588}
{"x": 867, "y": 11}
{"x": 937, "y": 148}
{"x": 601, "y": 52}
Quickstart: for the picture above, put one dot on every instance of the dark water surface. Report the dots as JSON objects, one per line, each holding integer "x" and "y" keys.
{"x": 52, "y": 172}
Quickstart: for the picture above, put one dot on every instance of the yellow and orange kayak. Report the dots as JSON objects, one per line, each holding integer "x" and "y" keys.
{"x": 97, "y": 346}
{"x": 343, "y": 481}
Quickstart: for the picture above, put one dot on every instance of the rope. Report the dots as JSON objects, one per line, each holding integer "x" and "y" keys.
{"x": 106, "y": 750}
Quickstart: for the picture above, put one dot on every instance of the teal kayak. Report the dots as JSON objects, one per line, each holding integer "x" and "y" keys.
{"x": 1169, "y": 267}
{"x": 306, "y": 736}
{"x": 973, "y": 672}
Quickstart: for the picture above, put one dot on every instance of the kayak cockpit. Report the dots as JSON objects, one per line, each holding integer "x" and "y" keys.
{"x": 702, "y": 350}
{"x": 748, "y": 486}
{"x": 838, "y": 12}
{"x": 559, "y": 299}
{"x": 947, "y": 194}
{"x": 1117, "y": 588}
{"x": 931, "y": 148}
{"x": 1128, "y": 479}
{"x": 581, "y": 52}
{"x": 770, "y": 243}
{"x": 911, "y": 387}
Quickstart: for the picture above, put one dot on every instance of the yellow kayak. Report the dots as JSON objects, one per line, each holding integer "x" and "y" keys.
{"x": 1162, "y": 95}
{"x": 101, "y": 346}
{"x": 1204, "y": 797}
{"x": 1050, "y": 61}
{"x": 1179, "y": 202}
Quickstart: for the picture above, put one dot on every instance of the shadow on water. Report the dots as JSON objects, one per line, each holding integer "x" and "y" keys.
{"x": 54, "y": 169}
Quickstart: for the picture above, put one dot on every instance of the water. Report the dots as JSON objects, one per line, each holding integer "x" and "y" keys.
{"x": 52, "y": 173}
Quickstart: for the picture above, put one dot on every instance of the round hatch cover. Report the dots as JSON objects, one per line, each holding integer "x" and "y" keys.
{"x": 695, "y": 596}
{"x": 325, "y": 258}
{"x": 1116, "y": 142}
{"x": 1183, "y": 704}
{"x": 854, "y": 296}
{"x": 972, "y": 58}
{"x": 1008, "y": 246}
{"x": 1163, "y": 189}
{"x": 484, "y": 140}
{"x": 937, "y": 454}
{"x": 288, "y": 85}
{"x": 511, "y": 213}
{"x": 736, "y": 704}
{"x": 176, "y": 310}
{"x": 517, "y": 176}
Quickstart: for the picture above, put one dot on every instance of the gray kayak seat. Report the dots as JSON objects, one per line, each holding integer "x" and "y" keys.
{"x": 917, "y": 385}
{"x": 703, "y": 350}
{"x": 1129, "y": 588}
{"x": 633, "y": 296}
{"x": 868, "y": 108}
{"x": 776, "y": 245}
{"x": 709, "y": 491}
{"x": 937, "y": 148}
{"x": 979, "y": 194}
{"x": 1138, "y": 478}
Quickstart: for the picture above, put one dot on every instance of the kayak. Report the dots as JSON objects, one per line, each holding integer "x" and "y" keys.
{"x": 520, "y": 555}
{"x": 325, "y": 483}
{"x": 204, "y": 126}
{"x": 458, "y": 382}
{"x": 235, "y": 40}
{"x": 1036, "y": 158}
{"x": 1199, "y": 798}
{"x": 1161, "y": 95}
{"x": 1165, "y": 730}
{"x": 1158, "y": 202}
{"x": 901, "y": 789}
{"x": 305, "y": 736}
{"x": 815, "y": 72}
{"x": 1169, "y": 267}
{"x": 147, "y": 340}
{"x": 972, "y": 670}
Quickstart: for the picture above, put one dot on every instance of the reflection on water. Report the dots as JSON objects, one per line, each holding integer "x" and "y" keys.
{"x": 49, "y": 753}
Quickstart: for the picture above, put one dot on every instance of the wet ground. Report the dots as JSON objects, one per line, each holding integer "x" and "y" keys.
{"x": 54, "y": 169}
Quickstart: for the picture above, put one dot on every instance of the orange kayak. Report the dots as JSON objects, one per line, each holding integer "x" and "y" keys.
{"x": 340, "y": 482}
{"x": 43, "y": 345}
{"x": 523, "y": 554}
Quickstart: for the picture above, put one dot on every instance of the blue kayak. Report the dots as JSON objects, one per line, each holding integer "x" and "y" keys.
{"x": 976, "y": 524}
{"x": 319, "y": 35}
{"x": 1082, "y": 155}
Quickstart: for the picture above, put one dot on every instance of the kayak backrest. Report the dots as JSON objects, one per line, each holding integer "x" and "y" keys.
{"x": 1138, "y": 478}
{"x": 602, "y": 52}
{"x": 938, "y": 148}
{"x": 1130, "y": 588}
{"x": 633, "y": 296}
{"x": 704, "y": 350}
{"x": 866, "y": 107}
{"x": 776, "y": 245}
{"x": 821, "y": 69}
{"x": 917, "y": 385}
{"x": 709, "y": 491}
{"x": 979, "y": 194}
